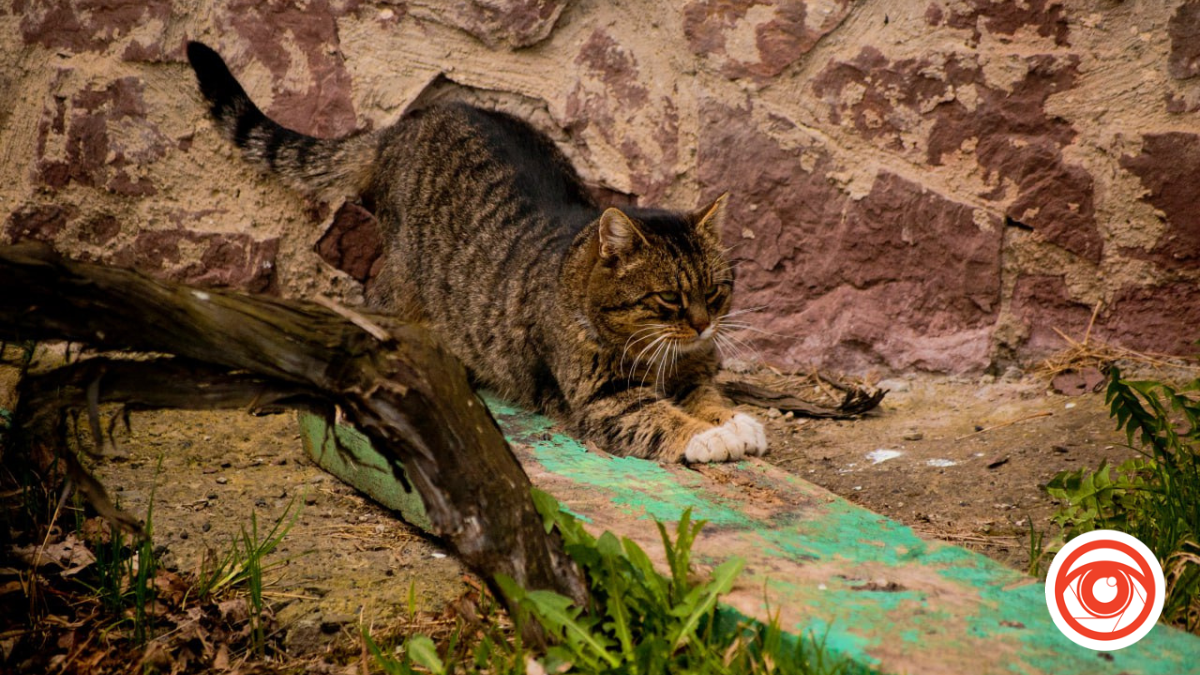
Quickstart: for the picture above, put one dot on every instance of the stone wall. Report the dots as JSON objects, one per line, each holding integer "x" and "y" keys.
{"x": 935, "y": 185}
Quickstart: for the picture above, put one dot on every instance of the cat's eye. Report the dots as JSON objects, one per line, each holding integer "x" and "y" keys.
{"x": 668, "y": 298}
{"x": 715, "y": 293}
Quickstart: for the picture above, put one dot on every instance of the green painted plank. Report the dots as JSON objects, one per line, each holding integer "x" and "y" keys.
{"x": 870, "y": 587}
{"x": 348, "y": 455}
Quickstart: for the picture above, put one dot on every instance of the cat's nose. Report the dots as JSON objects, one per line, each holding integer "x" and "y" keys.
{"x": 699, "y": 323}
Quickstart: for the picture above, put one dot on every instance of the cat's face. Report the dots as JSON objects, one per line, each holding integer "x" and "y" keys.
{"x": 663, "y": 285}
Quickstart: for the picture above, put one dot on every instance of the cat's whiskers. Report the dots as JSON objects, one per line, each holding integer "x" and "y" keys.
{"x": 728, "y": 348}
{"x": 737, "y": 325}
{"x": 729, "y": 343}
{"x": 736, "y": 346}
{"x": 724, "y": 268}
{"x": 643, "y": 328}
{"x": 666, "y": 367}
{"x": 656, "y": 345}
{"x": 744, "y": 310}
{"x": 654, "y": 362}
{"x": 665, "y": 360}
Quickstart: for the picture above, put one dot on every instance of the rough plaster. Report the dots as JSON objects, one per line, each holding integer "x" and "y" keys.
{"x": 913, "y": 185}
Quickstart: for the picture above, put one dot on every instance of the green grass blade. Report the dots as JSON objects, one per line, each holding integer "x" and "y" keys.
{"x": 654, "y": 584}
{"x": 424, "y": 653}
{"x": 559, "y": 614}
{"x": 389, "y": 664}
{"x": 721, "y": 582}
{"x": 615, "y": 583}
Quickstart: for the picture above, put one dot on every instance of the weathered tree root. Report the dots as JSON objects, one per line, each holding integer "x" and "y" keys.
{"x": 393, "y": 381}
{"x": 46, "y": 399}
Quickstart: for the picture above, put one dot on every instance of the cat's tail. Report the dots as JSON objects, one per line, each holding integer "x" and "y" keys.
{"x": 342, "y": 166}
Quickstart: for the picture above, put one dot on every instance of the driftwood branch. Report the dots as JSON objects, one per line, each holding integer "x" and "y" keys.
{"x": 400, "y": 387}
{"x": 856, "y": 401}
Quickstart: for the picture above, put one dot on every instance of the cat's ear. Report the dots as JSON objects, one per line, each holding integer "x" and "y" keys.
{"x": 711, "y": 218}
{"x": 618, "y": 234}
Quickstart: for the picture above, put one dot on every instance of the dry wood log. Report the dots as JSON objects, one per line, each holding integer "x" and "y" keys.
{"x": 856, "y": 402}
{"x": 393, "y": 381}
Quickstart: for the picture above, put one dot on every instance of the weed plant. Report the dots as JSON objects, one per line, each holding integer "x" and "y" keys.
{"x": 1155, "y": 497}
{"x": 639, "y": 621}
{"x": 124, "y": 571}
{"x": 1037, "y": 549}
{"x": 242, "y": 563}
{"x": 123, "y": 577}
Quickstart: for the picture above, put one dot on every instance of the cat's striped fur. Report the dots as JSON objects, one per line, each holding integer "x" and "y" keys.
{"x": 606, "y": 319}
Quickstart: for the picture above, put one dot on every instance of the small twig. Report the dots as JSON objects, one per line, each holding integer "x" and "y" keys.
{"x": 1087, "y": 335}
{"x": 973, "y": 538}
{"x": 840, "y": 386}
{"x": 823, "y": 385}
{"x": 375, "y": 330}
{"x": 1005, "y": 424}
{"x": 75, "y": 654}
{"x": 1069, "y": 340}
{"x": 41, "y": 550}
{"x": 294, "y": 596}
{"x": 364, "y": 653}
{"x": 20, "y": 632}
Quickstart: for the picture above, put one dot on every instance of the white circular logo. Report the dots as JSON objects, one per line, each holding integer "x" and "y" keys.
{"x": 1105, "y": 590}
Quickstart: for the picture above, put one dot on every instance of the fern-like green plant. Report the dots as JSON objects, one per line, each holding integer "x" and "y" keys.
{"x": 1155, "y": 497}
{"x": 639, "y": 621}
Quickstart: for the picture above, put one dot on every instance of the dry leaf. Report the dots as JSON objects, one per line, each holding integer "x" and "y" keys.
{"x": 69, "y": 553}
{"x": 234, "y": 611}
{"x": 533, "y": 667}
{"x": 221, "y": 660}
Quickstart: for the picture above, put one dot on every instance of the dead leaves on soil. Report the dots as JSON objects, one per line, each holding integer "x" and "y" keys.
{"x": 52, "y": 621}
{"x": 69, "y": 553}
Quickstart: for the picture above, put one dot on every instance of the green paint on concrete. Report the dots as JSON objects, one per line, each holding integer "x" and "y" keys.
{"x": 839, "y": 529}
{"x": 626, "y": 478}
{"x": 1163, "y": 650}
{"x": 844, "y": 641}
{"x": 962, "y": 613}
{"x": 730, "y": 620}
{"x": 348, "y": 455}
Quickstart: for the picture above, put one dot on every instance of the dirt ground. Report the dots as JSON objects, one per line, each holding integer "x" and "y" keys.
{"x": 344, "y": 558}
{"x": 962, "y": 460}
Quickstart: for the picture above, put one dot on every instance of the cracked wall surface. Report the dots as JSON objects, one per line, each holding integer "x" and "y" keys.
{"x": 941, "y": 185}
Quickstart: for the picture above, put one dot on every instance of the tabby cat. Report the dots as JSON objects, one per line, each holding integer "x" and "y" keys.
{"x": 606, "y": 319}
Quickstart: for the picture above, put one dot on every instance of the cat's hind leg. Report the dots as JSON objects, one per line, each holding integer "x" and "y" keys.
{"x": 392, "y": 292}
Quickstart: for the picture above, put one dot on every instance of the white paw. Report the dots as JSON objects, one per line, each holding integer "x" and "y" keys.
{"x": 751, "y": 433}
{"x": 741, "y": 436}
{"x": 719, "y": 444}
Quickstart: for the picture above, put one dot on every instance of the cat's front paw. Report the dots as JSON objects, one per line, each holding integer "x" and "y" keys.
{"x": 719, "y": 444}
{"x": 751, "y": 433}
{"x": 742, "y": 435}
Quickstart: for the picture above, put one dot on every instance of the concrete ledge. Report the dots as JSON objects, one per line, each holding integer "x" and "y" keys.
{"x": 871, "y": 588}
